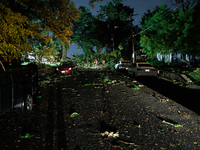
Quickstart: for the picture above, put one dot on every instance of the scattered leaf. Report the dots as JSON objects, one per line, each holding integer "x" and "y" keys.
{"x": 74, "y": 114}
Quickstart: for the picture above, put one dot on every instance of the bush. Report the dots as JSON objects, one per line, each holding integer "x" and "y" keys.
{"x": 195, "y": 74}
{"x": 110, "y": 65}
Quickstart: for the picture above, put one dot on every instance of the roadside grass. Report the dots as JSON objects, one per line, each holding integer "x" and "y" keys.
{"x": 193, "y": 73}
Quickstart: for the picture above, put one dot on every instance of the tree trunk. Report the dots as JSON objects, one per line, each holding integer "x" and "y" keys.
{"x": 189, "y": 59}
{"x": 64, "y": 53}
{"x": 184, "y": 59}
{"x": 172, "y": 59}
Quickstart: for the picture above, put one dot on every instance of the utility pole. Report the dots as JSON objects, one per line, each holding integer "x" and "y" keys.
{"x": 113, "y": 42}
{"x": 132, "y": 39}
{"x": 113, "y": 37}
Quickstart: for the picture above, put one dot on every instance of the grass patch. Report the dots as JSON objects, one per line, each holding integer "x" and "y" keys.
{"x": 192, "y": 73}
{"x": 195, "y": 74}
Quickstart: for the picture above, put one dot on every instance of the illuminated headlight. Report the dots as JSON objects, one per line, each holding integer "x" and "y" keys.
{"x": 70, "y": 68}
{"x": 57, "y": 69}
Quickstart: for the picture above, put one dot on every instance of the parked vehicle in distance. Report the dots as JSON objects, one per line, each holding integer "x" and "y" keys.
{"x": 122, "y": 65}
{"x": 67, "y": 67}
{"x": 141, "y": 69}
{"x": 18, "y": 84}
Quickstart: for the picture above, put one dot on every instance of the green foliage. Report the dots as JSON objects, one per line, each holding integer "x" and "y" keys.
{"x": 23, "y": 21}
{"x": 165, "y": 30}
{"x": 48, "y": 50}
{"x": 156, "y": 63}
{"x": 66, "y": 59}
{"x": 136, "y": 88}
{"x": 196, "y": 74}
{"x": 111, "y": 27}
{"x": 88, "y": 61}
{"x": 110, "y": 65}
{"x": 156, "y": 39}
{"x": 114, "y": 10}
{"x": 13, "y": 34}
{"x": 84, "y": 31}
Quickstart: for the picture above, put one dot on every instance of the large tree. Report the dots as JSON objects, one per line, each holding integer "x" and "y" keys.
{"x": 111, "y": 28}
{"x": 116, "y": 17}
{"x": 155, "y": 35}
{"x": 165, "y": 30}
{"x": 55, "y": 16}
{"x": 13, "y": 35}
{"x": 85, "y": 35}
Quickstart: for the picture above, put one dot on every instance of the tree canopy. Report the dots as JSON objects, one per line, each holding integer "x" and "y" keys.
{"x": 109, "y": 29}
{"x": 34, "y": 19}
{"x": 85, "y": 31}
{"x": 13, "y": 35}
{"x": 165, "y": 30}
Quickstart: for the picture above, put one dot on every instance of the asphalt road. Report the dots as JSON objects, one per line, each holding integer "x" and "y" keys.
{"x": 143, "y": 114}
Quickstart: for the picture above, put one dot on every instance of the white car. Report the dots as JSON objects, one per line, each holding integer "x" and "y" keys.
{"x": 122, "y": 65}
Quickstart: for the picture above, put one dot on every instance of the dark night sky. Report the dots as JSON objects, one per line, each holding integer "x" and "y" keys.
{"x": 140, "y": 7}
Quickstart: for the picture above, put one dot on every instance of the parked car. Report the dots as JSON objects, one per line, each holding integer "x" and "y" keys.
{"x": 18, "y": 85}
{"x": 67, "y": 67}
{"x": 122, "y": 65}
{"x": 142, "y": 69}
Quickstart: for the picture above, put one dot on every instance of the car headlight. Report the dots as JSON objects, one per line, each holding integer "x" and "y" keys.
{"x": 70, "y": 68}
{"x": 57, "y": 69}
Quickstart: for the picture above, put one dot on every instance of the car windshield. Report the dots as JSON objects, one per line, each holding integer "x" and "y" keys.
{"x": 145, "y": 65}
{"x": 65, "y": 64}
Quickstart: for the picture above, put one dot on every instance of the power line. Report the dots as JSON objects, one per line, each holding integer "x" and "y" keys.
{"x": 155, "y": 23}
{"x": 148, "y": 9}
{"x": 153, "y": 4}
{"x": 168, "y": 8}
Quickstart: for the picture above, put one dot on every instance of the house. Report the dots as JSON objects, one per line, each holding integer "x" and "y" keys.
{"x": 173, "y": 57}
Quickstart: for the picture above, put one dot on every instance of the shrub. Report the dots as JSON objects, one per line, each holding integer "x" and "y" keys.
{"x": 195, "y": 74}
{"x": 110, "y": 65}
